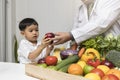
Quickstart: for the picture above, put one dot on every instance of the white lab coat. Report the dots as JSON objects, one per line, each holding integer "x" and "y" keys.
{"x": 104, "y": 18}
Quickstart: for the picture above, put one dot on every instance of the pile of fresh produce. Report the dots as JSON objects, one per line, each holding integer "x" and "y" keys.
{"x": 103, "y": 43}
{"x": 96, "y": 59}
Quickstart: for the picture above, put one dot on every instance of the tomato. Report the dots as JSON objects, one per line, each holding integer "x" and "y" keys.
{"x": 110, "y": 77}
{"x": 98, "y": 71}
{"x": 93, "y": 62}
{"x": 51, "y": 60}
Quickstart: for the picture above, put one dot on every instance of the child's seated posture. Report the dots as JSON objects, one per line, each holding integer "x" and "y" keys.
{"x": 30, "y": 49}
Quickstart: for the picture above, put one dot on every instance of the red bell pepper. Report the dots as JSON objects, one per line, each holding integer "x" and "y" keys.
{"x": 93, "y": 62}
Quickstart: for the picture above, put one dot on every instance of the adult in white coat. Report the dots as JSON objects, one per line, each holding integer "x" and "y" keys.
{"x": 104, "y": 18}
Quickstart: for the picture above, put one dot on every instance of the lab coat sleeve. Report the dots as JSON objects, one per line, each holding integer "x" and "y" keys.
{"x": 106, "y": 13}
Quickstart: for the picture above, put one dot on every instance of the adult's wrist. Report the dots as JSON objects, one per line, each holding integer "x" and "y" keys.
{"x": 71, "y": 36}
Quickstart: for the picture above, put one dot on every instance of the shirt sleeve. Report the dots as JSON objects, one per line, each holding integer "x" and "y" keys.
{"x": 106, "y": 13}
{"x": 23, "y": 51}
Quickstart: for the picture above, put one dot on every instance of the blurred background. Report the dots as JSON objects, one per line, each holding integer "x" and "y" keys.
{"x": 52, "y": 16}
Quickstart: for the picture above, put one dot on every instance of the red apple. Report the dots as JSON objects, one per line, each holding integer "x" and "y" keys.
{"x": 51, "y": 60}
{"x": 49, "y": 35}
{"x": 98, "y": 71}
{"x": 110, "y": 77}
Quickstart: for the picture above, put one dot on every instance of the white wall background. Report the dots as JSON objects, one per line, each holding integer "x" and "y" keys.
{"x": 2, "y": 30}
{"x": 52, "y": 15}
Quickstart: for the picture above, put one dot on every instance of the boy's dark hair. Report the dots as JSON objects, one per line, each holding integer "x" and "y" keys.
{"x": 27, "y": 22}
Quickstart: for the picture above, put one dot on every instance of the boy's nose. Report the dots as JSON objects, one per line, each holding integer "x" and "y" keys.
{"x": 34, "y": 32}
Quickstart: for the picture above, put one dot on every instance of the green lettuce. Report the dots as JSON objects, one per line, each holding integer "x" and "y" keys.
{"x": 103, "y": 43}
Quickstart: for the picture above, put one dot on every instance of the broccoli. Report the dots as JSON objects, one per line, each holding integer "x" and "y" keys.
{"x": 114, "y": 57}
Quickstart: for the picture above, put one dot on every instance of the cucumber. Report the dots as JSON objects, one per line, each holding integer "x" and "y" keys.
{"x": 69, "y": 60}
{"x": 64, "y": 68}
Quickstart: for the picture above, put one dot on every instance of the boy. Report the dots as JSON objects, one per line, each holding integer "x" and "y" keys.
{"x": 30, "y": 50}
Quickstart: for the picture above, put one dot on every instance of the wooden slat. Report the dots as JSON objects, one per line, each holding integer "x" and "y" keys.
{"x": 48, "y": 74}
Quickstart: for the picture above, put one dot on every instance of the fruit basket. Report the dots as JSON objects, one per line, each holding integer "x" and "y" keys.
{"x": 48, "y": 74}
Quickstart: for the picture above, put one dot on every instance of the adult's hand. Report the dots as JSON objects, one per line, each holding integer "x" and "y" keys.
{"x": 61, "y": 37}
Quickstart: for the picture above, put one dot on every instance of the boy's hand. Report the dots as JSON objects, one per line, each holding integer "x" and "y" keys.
{"x": 50, "y": 35}
{"x": 49, "y": 49}
{"x": 46, "y": 41}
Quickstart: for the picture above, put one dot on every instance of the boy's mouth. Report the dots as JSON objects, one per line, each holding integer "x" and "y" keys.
{"x": 35, "y": 36}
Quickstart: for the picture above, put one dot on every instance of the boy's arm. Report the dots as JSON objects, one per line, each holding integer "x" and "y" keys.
{"x": 48, "y": 50}
{"x": 36, "y": 52}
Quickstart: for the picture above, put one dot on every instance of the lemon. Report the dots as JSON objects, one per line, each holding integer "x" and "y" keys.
{"x": 81, "y": 63}
{"x": 104, "y": 68}
{"x": 92, "y": 76}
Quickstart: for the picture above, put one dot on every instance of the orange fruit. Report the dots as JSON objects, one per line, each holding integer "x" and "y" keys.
{"x": 104, "y": 68}
{"x": 115, "y": 72}
{"x": 75, "y": 69}
{"x": 92, "y": 76}
{"x": 81, "y": 63}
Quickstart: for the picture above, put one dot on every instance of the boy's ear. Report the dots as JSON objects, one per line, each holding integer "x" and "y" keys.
{"x": 22, "y": 32}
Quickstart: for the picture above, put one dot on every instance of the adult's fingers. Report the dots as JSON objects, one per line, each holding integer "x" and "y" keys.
{"x": 56, "y": 42}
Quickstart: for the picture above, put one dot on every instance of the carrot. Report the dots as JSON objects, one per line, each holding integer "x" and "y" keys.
{"x": 74, "y": 46}
{"x": 81, "y": 51}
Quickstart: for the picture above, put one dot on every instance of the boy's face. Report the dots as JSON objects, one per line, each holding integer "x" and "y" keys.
{"x": 31, "y": 33}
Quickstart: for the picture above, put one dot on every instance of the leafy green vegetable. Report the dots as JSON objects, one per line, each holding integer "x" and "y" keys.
{"x": 103, "y": 43}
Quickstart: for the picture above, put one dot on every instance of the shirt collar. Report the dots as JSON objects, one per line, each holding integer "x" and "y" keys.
{"x": 87, "y": 2}
{"x": 32, "y": 43}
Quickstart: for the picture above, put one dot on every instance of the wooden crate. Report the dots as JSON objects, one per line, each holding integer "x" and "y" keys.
{"x": 48, "y": 74}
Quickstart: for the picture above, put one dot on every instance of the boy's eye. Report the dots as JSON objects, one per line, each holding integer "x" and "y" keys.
{"x": 30, "y": 30}
{"x": 37, "y": 30}
{"x": 33, "y": 30}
